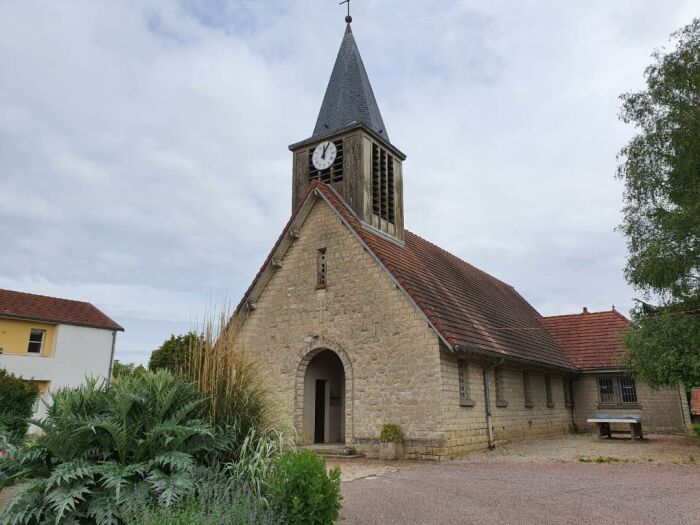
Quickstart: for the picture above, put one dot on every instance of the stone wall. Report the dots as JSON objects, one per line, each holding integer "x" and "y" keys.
{"x": 662, "y": 411}
{"x": 391, "y": 355}
{"x": 465, "y": 426}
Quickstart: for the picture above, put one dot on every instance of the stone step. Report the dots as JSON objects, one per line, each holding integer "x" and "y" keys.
{"x": 333, "y": 451}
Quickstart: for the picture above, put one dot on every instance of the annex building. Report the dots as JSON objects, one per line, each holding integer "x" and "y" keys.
{"x": 358, "y": 322}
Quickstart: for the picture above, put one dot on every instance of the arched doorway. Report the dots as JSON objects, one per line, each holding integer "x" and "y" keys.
{"x": 324, "y": 399}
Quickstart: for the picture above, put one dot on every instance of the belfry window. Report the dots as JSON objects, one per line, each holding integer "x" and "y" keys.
{"x": 321, "y": 268}
{"x": 332, "y": 174}
{"x": 383, "y": 196}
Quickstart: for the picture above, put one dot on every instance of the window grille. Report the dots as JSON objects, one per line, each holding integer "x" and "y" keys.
{"x": 464, "y": 393}
{"x": 527, "y": 386}
{"x": 500, "y": 387}
{"x": 332, "y": 174}
{"x": 321, "y": 268}
{"x": 36, "y": 341}
{"x": 628, "y": 390}
{"x": 606, "y": 390}
{"x": 548, "y": 390}
{"x": 383, "y": 197}
{"x": 617, "y": 390}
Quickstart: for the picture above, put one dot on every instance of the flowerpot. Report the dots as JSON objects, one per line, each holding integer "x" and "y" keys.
{"x": 390, "y": 451}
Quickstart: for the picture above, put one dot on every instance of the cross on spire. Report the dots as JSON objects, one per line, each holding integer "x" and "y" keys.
{"x": 348, "y": 18}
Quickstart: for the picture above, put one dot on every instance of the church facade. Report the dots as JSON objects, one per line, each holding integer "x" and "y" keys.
{"x": 358, "y": 322}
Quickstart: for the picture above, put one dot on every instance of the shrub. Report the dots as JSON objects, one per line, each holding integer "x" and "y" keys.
{"x": 173, "y": 354}
{"x": 103, "y": 446}
{"x": 17, "y": 398}
{"x": 228, "y": 377}
{"x": 390, "y": 434}
{"x": 303, "y": 491}
{"x": 214, "y": 502}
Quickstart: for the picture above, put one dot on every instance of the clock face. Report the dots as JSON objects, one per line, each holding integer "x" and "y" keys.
{"x": 324, "y": 155}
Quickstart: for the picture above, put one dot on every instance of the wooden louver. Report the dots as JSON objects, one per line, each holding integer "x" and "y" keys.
{"x": 383, "y": 198}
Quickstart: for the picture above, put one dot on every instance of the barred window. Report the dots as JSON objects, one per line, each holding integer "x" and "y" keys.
{"x": 617, "y": 390}
{"x": 500, "y": 387}
{"x": 464, "y": 392}
{"x": 548, "y": 391}
{"x": 383, "y": 199}
{"x": 321, "y": 268}
{"x": 527, "y": 386}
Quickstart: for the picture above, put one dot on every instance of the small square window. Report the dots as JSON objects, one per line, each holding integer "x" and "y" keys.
{"x": 36, "y": 341}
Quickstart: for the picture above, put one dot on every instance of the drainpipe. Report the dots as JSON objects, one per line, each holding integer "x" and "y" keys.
{"x": 487, "y": 402}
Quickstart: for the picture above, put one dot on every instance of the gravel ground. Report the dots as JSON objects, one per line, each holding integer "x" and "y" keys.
{"x": 572, "y": 479}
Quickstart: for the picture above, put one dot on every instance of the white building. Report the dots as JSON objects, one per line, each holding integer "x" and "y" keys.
{"x": 54, "y": 342}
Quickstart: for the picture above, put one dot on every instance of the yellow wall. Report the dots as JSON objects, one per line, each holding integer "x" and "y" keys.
{"x": 14, "y": 336}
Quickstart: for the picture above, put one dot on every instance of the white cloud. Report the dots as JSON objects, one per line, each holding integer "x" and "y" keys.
{"x": 143, "y": 145}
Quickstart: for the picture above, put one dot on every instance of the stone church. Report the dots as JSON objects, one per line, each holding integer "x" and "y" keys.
{"x": 358, "y": 322}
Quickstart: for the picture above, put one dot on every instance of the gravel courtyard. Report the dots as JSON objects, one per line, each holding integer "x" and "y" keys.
{"x": 572, "y": 479}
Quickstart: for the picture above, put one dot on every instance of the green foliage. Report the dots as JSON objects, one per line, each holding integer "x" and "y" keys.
{"x": 17, "y": 398}
{"x": 391, "y": 433}
{"x": 103, "y": 446}
{"x": 126, "y": 369}
{"x": 214, "y": 501}
{"x": 660, "y": 167}
{"x": 174, "y": 353}
{"x": 696, "y": 429}
{"x": 303, "y": 491}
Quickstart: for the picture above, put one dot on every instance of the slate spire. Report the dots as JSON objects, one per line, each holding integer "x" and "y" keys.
{"x": 349, "y": 97}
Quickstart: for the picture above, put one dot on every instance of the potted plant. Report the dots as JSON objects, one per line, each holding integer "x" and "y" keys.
{"x": 390, "y": 442}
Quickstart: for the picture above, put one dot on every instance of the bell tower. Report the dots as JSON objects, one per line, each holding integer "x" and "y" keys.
{"x": 350, "y": 148}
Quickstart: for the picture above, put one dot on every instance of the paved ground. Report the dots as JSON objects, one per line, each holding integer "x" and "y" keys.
{"x": 573, "y": 479}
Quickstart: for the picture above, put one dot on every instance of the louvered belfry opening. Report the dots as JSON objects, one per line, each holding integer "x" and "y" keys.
{"x": 332, "y": 174}
{"x": 383, "y": 198}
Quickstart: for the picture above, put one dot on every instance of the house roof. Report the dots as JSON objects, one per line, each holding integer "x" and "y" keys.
{"x": 695, "y": 401}
{"x": 20, "y": 305}
{"x": 592, "y": 340}
{"x": 470, "y": 309}
{"x": 349, "y": 96}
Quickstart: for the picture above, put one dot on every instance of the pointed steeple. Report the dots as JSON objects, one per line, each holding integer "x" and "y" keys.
{"x": 349, "y": 97}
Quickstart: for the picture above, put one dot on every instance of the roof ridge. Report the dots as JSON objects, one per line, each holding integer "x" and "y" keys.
{"x": 585, "y": 314}
{"x": 47, "y": 296}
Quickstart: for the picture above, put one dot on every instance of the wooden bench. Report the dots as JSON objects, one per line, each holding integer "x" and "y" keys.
{"x": 603, "y": 422}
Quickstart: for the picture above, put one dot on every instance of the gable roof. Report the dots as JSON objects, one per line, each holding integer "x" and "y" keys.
{"x": 592, "y": 340}
{"x": 469, "y": 309}
{"x": 349, "y": 96}
{"x": 20, "y": 305}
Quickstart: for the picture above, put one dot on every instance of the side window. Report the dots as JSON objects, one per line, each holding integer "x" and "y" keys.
{"x": 36, "y": 341}
{"x": 321, "y": 268}
{"x": 606, "y": 391}
{"x": 617, "y": 390}
{"x": 527, "y": 386}
{"x": 568, "y": 394}
{"x": 548, "y": 390}
{"x": 628, "y": 390}
{"x": 500, "y": 387}
{"x": 464, "y": 390}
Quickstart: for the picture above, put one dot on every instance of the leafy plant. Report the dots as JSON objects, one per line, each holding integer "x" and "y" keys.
{"x": 303, "y": 491}
{"x": 17, "y": 398}
{"x": 103, "y": 446}
{"x": 214, "y": 501}
{"x": 126, "y": 369}
{"x": 390, "y": 433}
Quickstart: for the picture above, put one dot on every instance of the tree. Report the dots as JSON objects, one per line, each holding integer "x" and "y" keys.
{"x": 173, "y": 353}
{"x": 120, "y": 369}
{"x": 660, "y": 167}
{"x": 17, "y": 398}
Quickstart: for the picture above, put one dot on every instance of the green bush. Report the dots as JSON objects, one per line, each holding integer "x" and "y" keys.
{"x": 390, "y": 434}
{"x": 303, "y": 491}
{"x": 214, "y": 502}
{"x": 17, "y": 398}
{"x": 103, "y": 446}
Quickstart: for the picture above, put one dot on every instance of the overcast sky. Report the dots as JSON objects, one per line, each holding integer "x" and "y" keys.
{"x": 143, "y": 144}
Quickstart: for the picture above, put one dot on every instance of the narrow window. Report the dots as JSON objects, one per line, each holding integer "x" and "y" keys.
{"x": 568, "y": 395}
{"x": 321, "y": 269}
{"x": 628, "y": 390}
{"x": 383, "y": 200}
{"x": 500, "y": 387}
{"x": 36, "y": 341}
{"x": 527, "y": 386}
{"x": 464, "y": 393}
{"x": 606, "y": 390}
{"x": 548, "y": 390}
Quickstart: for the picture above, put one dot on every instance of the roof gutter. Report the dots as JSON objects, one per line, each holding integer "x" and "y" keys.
{"x": 520, "y": 360}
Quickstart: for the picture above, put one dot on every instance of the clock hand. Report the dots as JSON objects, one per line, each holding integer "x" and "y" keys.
{"x": 326, "y": 149}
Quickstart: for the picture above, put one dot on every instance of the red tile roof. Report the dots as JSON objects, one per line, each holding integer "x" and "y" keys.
{"x": 468, "y": 307}
{"x": 695, "y": 401}
{"x": 20, "y": 305}
{"x": 592, "y": 340}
